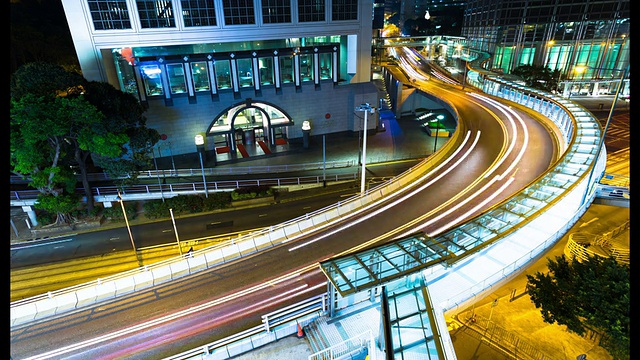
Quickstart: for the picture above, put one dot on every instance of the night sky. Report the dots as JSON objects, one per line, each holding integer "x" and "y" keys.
{"x": 39, "y": 32}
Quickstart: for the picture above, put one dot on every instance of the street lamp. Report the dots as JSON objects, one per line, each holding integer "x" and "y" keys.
{"x": 200, "y": 146}
{"x": 153, "y": 152}
{"x": 464, "y": 67}
{"x": 175, "y": 229}
{"x": 126, "y": 220}
{"x": 367, "y": 109}
{"x": 604, "y": 133}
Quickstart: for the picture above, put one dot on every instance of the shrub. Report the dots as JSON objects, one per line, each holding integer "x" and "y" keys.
{"x": 154, "y": 209}
{"x": 45, "y": 217}
{"x": 217, "y": 200}
{"x": 115, "y": 211}
{"x": 185, "y": 204}
{"x": 251, "y": 192}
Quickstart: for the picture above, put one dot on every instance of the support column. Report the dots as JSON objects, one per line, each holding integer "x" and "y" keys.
{"x": 31, "y": 213}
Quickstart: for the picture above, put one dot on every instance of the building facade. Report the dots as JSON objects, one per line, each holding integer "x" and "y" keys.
{"x": 232, "y": 71}
{"x": 587, "y": 40}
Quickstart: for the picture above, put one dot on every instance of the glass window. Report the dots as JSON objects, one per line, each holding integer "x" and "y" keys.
{"x": 266, "y": 70}
{"x": 109, "y": 14}
{"x": 325, "y": 65}
{"x": 200, "y": 75}
{"x": 223, "y": 74}
{"x": 310, "y": 10}
{"x": 155, "y": 14}
{"x": 344, "y": 10}
{"x": 198, "y": 13}
{"x": 306, "y": 67}
{"x": 276, "y": 11}
{"x": 245, "y": 72}
{"x": 238, "y": 12}
{"x": 176, "y": 78}
{"x": 124, "y": 60}
{"x": 152, "y": 78}
{"x": 286, "y": 69}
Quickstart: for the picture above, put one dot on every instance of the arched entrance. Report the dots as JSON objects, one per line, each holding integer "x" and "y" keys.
{"x": 247, "y": 123}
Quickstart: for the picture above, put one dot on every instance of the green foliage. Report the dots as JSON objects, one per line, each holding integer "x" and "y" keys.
{"x": 63, "y": 205}
{"x": 156, "y": 209}
{"x": 251, "y": 192}
{"x": 591, "y": 294}
{"x": 45, "y": 217}
{"x": 115, "y": 211}
{"x": 538, "y": 77}
{"x": 45, "y": 79}
{"x": 186, "y": 204}
{"x": 58, "y": 120}
{"x": 216, "y": 200}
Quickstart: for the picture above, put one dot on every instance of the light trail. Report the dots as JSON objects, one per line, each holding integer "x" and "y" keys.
{"x": 406, "y": 196}
{"x": 164, "y": 319}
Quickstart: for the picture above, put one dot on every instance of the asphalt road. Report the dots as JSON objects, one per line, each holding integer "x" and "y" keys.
{"x": 118, "y": 323}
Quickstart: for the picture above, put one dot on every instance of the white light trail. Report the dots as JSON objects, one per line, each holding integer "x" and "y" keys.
{"x": 397, "y": 201}
{"x": 176, "y": 315}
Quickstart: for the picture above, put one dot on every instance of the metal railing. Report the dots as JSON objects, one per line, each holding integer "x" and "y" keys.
{"x": 215, "y": 171}
{"x": 169, "y": 190}
{"x": 276, "y": 325}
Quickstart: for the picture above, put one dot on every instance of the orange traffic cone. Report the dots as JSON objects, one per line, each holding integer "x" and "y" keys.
{"x": 300, "y": 332}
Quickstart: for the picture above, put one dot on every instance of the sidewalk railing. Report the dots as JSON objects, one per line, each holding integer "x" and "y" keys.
{"x": 502, "y": 338}
{"x": 579, "y": 245}
{"x": 170, "y": 190}
{"x": 215, "y": 171}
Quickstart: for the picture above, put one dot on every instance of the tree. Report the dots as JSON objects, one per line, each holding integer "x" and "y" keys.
{"x": 123, "y": 114}
{"x": 45, "y": 132}
{"x": 538, "y": 77}
{"x": 68, "y": 122}
{"x": 591, "y": 294}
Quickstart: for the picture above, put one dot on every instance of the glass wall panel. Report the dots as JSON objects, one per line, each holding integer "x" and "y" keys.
{"x": 266, "y": 70}
{"x": 151, "y": 76}
{"x": 245, "y": 72}
{"x": 176, "y": 78}
{"x": 286, "y": 69}
{"x": 126, "y": 75}
{"x": 223, "y": 74}
{"x": 325, "y": 65}
{"x": 200, "y": 75}
{"x": 306, "y": 67}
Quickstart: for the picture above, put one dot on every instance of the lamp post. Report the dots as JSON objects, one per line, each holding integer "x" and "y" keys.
{"x": 155, "y": 163}
{"x": 200, "y": 146}
{"x": 604, "y": 133}
{"x": 435, "y": 143}
{"x": 464, "y": 67}
{"x": 175, "y": 229}
{"x": 306, "y": 129}
{"x": 324, "y": 162}
{"x": 367, "y": 109}
{"x": 126, "y": 220}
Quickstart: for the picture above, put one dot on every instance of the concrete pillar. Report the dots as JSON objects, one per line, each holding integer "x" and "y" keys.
{"x": 31, "y": 213}
{"x": 595, "y": 90}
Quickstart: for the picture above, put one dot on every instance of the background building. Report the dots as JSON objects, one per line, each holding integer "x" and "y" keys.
{"x": 587, "y": 40}
{"x": 233, "y": 71}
